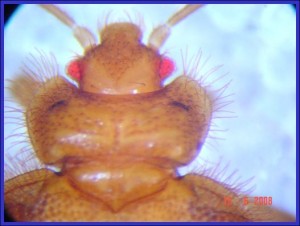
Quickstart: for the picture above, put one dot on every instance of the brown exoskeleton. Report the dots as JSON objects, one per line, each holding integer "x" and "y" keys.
{"x": 112, "y": 143}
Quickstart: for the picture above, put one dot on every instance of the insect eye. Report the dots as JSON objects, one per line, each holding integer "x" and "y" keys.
{"x": 73, "y": 70}
{"x": 166, "y": 67}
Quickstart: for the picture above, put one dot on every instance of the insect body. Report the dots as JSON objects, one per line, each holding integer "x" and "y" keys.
{"x": 111, "y": 144}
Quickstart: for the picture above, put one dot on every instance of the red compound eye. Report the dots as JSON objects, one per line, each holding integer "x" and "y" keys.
{"x": 166, "y": 67}
{"x": 73, "y": 70}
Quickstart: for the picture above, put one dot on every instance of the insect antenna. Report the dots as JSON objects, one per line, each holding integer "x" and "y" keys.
{"x": 82, "y": 34}
{"x": 160, "y": 34}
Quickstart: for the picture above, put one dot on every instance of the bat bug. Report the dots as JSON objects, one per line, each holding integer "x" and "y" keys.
{"x": 176, "y": 104}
